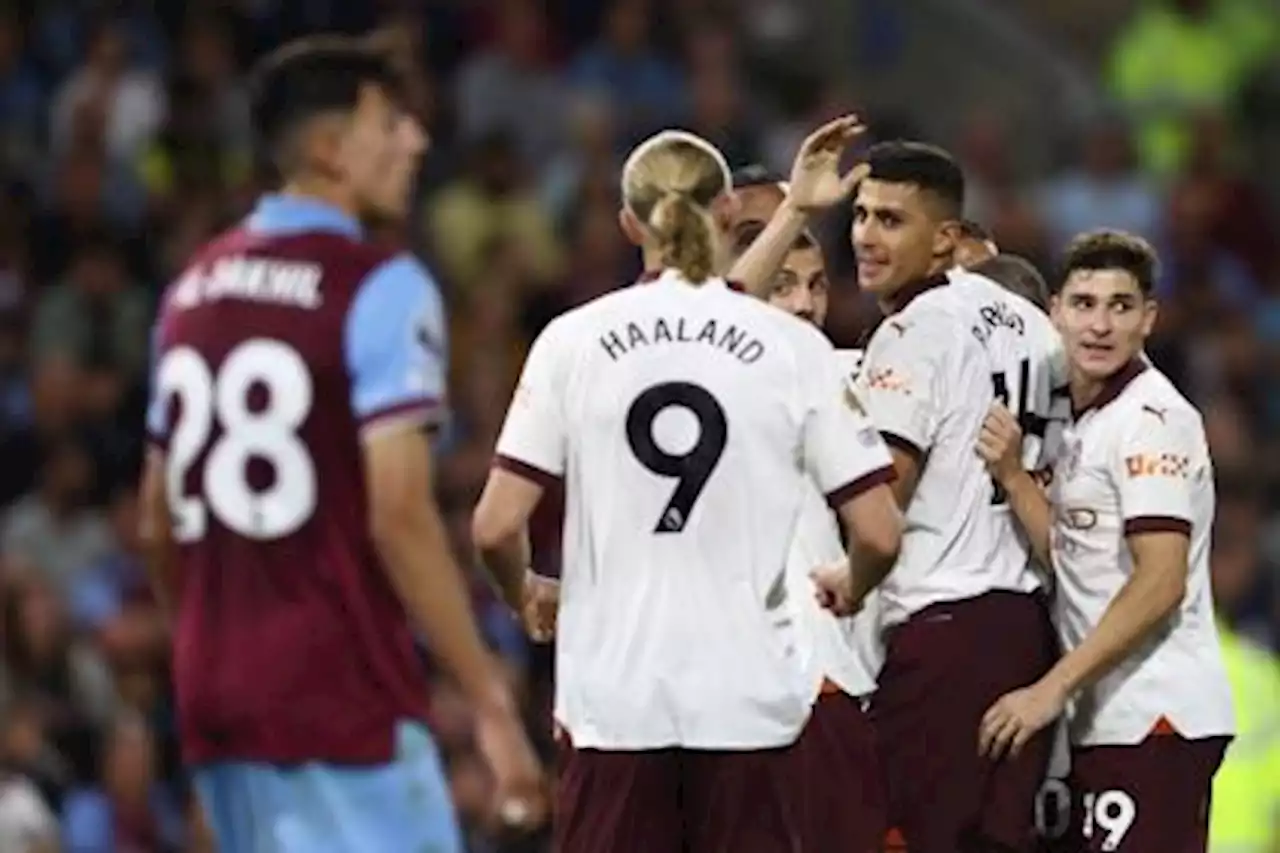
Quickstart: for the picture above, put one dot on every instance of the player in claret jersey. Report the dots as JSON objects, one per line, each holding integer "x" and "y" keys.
{"x": 1127, "y": 525}
{"x": 965, "y": 619}
{"x": 686, "y": 421}
{"x": 288, "y": 497}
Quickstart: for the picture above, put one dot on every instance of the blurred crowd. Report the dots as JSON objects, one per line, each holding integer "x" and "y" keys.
{"x": 124, "y": 143}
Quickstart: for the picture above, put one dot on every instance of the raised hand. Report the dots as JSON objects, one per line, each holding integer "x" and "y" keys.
{"x": 816, "y": 182}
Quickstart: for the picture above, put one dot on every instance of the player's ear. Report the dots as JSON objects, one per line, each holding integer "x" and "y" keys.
{"x": 631, "y": 226}
{"x": 724, "y": 210}
{"x": 1150, "y": 312}
{"x": 946, "y": 237}
{"x": 1055, "y": 311}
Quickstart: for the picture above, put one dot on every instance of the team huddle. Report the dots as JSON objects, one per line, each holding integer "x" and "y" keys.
{"x": 950, "y": 590}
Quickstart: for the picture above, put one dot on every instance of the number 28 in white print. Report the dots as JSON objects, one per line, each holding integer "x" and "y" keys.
{"x": 268, "y": 433}
{"x": 1110, "y": 813}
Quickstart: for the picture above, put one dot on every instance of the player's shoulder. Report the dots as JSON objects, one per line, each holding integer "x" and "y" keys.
{"x": 1151, "y": 398}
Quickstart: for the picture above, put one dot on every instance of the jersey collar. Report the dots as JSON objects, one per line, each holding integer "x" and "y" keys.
{"x": 649, "y": 276}
{"x": 902, "y": 297}
{"x": 280, "y": 212}
{"x": 1112, "y": 387}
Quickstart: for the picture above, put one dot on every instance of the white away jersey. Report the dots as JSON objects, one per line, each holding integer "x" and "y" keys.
{"x": 1138, "y": 461}
{"x": 929, "y": 376}
{"x": 848, "y": 651}
{"x": 686, "y": 423}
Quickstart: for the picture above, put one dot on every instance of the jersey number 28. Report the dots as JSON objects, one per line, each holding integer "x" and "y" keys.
{"x": 245, "y": 432}
{"x": 690, "y": 469}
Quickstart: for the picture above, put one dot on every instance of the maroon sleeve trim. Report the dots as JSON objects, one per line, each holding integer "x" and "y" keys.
{"x": 905, "y": 445}
{"x": 1157, "y": 524}
{"x": 879, "y": 477}
{"x": 524, "y": 470}
{"x": 423, "y": 410}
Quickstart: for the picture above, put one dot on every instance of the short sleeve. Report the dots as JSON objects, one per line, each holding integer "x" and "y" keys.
{"x": 899, "y": 376}
{"x": 396, "y": 346}
{"x": 842, "y": 450}
{"x": 157, "y": 403}
{"x": 533, "y": 442}
{"x": 1158, "y": 463}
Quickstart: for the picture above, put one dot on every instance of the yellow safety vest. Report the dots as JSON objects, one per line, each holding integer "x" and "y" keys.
{"x": 1246, "y": 792}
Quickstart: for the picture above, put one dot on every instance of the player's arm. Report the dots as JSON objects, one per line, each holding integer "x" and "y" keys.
{"x": 757, "y": 266}
{"x": 155, "y": 528}
{"x": 395, "y": 346}
{"x": 853, "y": 468}
{"x": 1155, "y": 471}
{"x": 901, "y": 383}
{"x": 816, "y": 183}
{"x": 156, "y": 532}
{"x": 1000, "y": 447}
{"x": 530, "y": 456}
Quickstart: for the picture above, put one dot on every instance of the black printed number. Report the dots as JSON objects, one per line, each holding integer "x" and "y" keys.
{"x": 690, "y": 470}
{"x": 1032, "y": 425}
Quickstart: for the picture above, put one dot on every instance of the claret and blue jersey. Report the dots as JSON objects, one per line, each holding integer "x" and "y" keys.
{"x": 281, "y": 347}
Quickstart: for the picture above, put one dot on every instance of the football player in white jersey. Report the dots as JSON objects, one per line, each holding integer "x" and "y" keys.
{"x": 965, "y": 618}
{"x": 842, "y": 656}
{"x": 1127, "y": 524}
{"x": 687, "y": 422}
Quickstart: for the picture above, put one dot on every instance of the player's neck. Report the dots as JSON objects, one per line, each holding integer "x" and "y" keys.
{"x": 321, "y": 190}
{"x": 1084, "y": 390}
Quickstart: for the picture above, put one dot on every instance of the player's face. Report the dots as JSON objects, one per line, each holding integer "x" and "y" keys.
{"x": 381, "y": 151}
{"x": 755, "y": 207}
{"x": 1104, "y": 319}
{"x": 801, "y": 287}
{"x": 897, "y": 236}
{"x": 970, "y": 251}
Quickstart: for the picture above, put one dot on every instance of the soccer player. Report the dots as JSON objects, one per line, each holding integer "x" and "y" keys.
{"x": 685, "y": 420}
{"x": 287, "y": 493}
{"x": 842, "y": 656}
{"x": 1126, "y": 524}
{"x": 974, "y": 245}
{"x": 1016, "y": 275}
{"x": 965, "y": 620}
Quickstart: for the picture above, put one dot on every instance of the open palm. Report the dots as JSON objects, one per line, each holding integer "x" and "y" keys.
{"x": 816, "y": 182}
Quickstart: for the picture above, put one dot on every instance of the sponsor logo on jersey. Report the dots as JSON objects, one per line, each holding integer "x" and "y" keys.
{"x": 1158, "y": 465}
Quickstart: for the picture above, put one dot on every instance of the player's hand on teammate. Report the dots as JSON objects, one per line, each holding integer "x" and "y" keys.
{"x": 816, "y": 182}
{"x": 1016, "y": 717}
{"x": 1000, "y": 443}
{"x": 541, "y": 606}
{"x": 833, "y": 586}
{"x": 520, "y": 795}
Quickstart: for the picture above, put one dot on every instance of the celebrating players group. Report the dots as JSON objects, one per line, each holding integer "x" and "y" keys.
{"x": 950, "y": 592}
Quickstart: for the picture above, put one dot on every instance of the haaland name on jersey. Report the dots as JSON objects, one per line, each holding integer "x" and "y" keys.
{"x": 733, "y": 340}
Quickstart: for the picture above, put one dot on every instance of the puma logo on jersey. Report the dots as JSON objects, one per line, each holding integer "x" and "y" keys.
{"x": 900, "y": 328}
{"x": 1159, "y": 413}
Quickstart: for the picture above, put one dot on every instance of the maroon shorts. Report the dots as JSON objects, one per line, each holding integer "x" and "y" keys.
{"x": 844, "y": 808}
{"x": 679, "y": 801}
{"x": 1151, "y": 797}
{"x": 943, "y": 669}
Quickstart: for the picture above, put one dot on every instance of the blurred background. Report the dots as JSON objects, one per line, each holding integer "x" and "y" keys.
{"x": 123, "y": 144}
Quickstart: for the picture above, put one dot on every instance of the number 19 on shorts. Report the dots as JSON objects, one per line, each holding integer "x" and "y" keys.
{"x": 1108, "y": 816}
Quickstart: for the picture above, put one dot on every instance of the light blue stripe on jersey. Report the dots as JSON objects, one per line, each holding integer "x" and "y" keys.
{"x": 292, "y": 214}
{"x": 398, "y": 807}
{"x": 396, "y": 341}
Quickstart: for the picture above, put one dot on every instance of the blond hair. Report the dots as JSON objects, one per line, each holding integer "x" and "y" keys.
{"x": 669, "y": 183}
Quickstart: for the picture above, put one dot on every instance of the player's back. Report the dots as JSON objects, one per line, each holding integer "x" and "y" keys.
{"x": 291, "y": 645}
{"x": 685, "y": 409}
{"x": 930, "y": 374}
